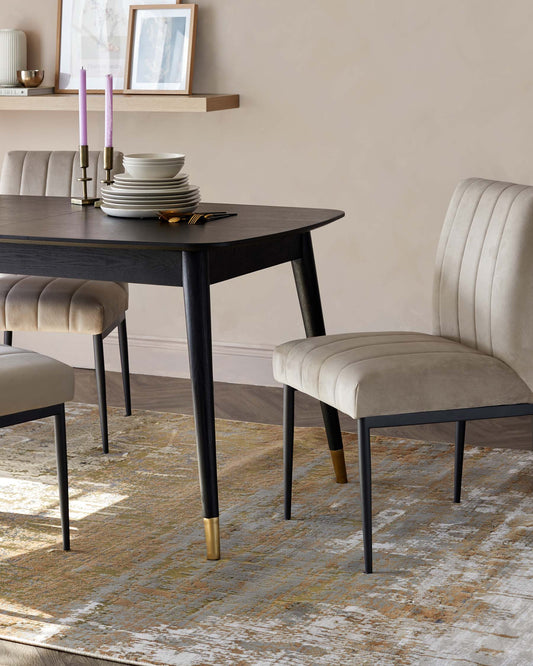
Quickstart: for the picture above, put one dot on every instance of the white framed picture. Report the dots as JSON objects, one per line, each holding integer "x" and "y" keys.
{"x": 160, "y": 51}
{"x": 93, "y": 34}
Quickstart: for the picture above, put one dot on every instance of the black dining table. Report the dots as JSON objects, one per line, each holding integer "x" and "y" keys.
{"x": 50, "y": 236}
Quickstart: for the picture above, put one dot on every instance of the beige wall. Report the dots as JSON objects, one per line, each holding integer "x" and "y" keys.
{"x": 376, "y": 107}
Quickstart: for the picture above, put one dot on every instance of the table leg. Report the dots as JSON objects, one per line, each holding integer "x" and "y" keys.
{"x": 198, "y": 316}
{"x": 305, "y": 276}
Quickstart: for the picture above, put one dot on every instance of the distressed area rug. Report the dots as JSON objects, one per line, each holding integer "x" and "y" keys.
{"x": 454, "y": 584}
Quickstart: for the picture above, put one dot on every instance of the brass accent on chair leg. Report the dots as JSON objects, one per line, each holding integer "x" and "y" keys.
{"x": 212, "y": 538}
{"x": 339, "y": 465}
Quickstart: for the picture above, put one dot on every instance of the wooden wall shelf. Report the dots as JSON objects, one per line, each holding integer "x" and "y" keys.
{"x": 151, "y": 103}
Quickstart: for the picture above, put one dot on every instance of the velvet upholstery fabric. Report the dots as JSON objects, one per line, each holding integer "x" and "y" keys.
{"x": 482, "y": 350}
{"x": 29, "y": 303}
{"x": 483, "y": 283}
{"x": 53, "y": 173}
{"x": 370, "y": 374}
{"x": 30, "y": 381}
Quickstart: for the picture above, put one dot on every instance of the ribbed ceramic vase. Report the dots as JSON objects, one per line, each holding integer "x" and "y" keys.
{"x": 13, "y": 55}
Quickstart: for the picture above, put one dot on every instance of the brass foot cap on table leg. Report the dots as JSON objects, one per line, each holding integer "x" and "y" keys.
{"x": 212, "y": 538}
{"x": 339, "y": 465}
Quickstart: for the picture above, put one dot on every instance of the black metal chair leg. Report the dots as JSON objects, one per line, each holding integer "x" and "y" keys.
{"x": 365, "y": 479}
{"x": 460, "y": 428}
{"x": 288, "y": 446}
{"x": 8, "y": 338}
{"x": 62, "y": 475}
{"x": 125, "y": 364}
{"x": 99, "y": 369}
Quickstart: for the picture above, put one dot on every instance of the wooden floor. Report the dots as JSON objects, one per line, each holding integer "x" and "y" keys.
{"x": 245, "y": 403}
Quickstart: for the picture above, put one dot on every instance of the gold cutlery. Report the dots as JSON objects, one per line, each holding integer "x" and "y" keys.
{"x": 173, "y": 217}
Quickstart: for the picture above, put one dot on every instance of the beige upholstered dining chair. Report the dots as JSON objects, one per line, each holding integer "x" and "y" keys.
{"x": 40, "y": 303}
{"x": 33, "y": 387}
{"x": 479, "y": 362}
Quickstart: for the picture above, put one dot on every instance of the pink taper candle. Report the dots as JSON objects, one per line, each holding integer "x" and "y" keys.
{"x": 108, "y": 111}
{"x": 83, "y": 106}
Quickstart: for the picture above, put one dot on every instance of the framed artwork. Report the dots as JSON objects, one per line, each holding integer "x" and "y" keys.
{"x": 160, "y": 50}
{"x": 93, "y": 34}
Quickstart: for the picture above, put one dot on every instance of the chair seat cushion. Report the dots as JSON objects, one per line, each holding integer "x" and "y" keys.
{"x": 30, "y": 303}
{"x": 29, "y": 381}
{"x": 373, "y": 374}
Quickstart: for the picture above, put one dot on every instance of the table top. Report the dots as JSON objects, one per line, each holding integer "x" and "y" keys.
{"x": 54, "y": 220}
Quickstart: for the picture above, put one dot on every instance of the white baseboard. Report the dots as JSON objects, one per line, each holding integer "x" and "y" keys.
{"x": 234, "y": 363}
{"x": 166, "y": 357}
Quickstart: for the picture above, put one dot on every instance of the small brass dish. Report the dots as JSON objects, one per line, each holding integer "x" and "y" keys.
{"x": 30, "y": 78}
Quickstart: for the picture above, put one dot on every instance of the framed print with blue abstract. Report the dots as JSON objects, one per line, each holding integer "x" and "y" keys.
{"x": 160, "y": 52}
{"x": 93, "y": 34}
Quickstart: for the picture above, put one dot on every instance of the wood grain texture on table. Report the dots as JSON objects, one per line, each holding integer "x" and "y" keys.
{"x": 55, "y": 220}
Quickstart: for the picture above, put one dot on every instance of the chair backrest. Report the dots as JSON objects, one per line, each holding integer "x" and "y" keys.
{"x": 483, "y": 288}
{"x": 52, "y": 173}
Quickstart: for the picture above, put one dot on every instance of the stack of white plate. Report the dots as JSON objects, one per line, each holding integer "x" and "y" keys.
{"x": 152, "y": 184}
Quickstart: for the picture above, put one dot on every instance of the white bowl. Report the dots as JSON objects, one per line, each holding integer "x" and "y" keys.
{"x": 151, "y": 171}
{"x": 154, "y": 161}
{"x": 154, "y": 156}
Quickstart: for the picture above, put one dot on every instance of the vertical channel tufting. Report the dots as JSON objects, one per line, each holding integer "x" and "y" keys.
{"x": 5, "y": 295}
{"x": 10, "y": 179}
{"x": 34, "y": 175}
{"x": 487, "y": 272}
{"x": 484, "y": 272}
{"x": 94, "y": 158}
{"x": 50, "y": 173}
{"x": 21, "y": 310}
{"x": 465, "y": 261}
{"x": 472, "y": 301}
{"x": 452, "y": 247}
{"x": 451, "y": 214}
{"x": 501, "y": 269}
{"x": 69, "y": 307}
{"x": 475, "y": 227}
{"x": 43, "y": 288}
{"x": 478, "y": 298}
{"x": 74, "y": 183}
{"x": 60, "y": 181}
{"x": 22, "y": 172}
{"x": 47, "y": 173}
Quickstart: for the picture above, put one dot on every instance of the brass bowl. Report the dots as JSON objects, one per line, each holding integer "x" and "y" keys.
{"x": 30, "y": 78}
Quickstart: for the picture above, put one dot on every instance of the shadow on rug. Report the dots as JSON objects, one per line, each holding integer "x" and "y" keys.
{"x": 454, "y": 583}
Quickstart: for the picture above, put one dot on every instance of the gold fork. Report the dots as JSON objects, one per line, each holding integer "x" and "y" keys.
{"x": 194, "y": 218}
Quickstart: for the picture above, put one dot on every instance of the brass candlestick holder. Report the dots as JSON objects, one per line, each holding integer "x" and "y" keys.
{"x": 84, "y": 163}
{"x": 108, "y": 165}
